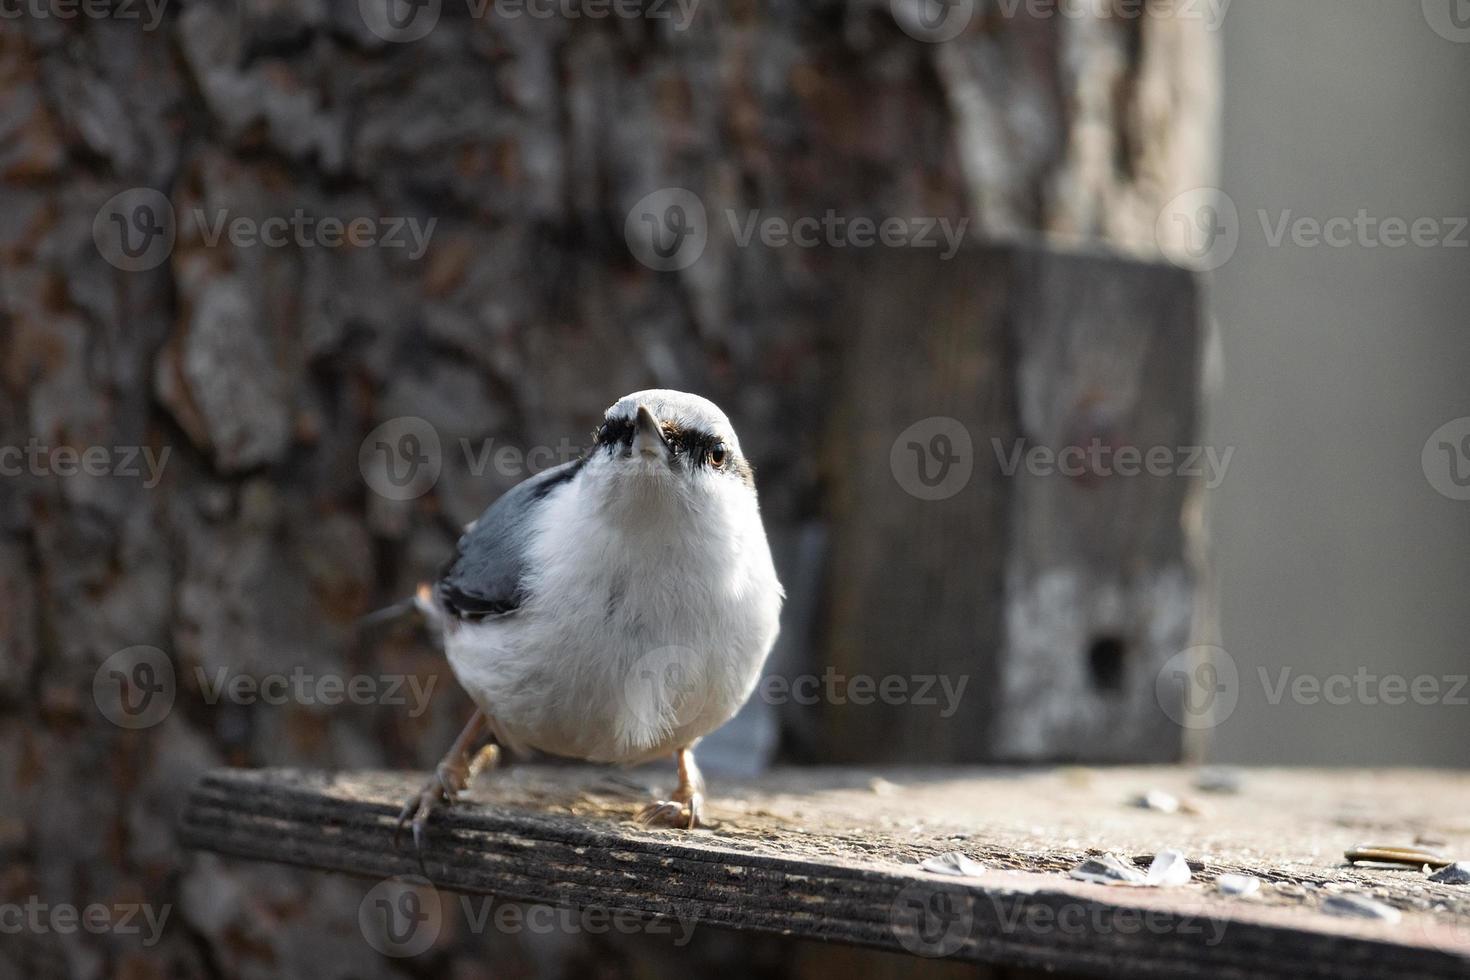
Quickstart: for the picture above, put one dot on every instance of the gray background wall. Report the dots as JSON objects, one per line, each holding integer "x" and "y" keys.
{"x": 1334, "y": 551}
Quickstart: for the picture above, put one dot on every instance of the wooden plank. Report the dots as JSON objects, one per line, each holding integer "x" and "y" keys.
{"x": 833, "y": 854}
{"x": 991, "y": 507}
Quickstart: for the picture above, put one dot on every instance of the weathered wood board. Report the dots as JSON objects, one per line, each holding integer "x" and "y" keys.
{"x": 834, "y": 854}
{"x": 992, "y": 517}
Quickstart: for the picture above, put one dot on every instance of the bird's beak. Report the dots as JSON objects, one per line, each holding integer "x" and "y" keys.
{"x": 648, "y": 438}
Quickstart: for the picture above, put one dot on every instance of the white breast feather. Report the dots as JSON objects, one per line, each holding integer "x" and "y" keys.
{"x": 617, "y": 599}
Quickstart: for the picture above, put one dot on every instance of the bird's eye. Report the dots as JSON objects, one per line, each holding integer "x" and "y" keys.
{"x": 718, "y": 455}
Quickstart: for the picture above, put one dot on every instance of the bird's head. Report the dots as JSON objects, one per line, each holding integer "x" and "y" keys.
{"x": 672, "y": 445}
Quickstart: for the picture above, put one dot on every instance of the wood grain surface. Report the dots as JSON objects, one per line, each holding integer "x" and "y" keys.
{"x": 835, "y": 854}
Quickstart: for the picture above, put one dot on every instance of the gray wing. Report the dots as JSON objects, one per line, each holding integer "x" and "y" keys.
{"x": 486, "y": 576}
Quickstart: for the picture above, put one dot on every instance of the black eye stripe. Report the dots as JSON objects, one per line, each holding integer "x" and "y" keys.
{"x": 613, "y": 432}
{"x": 695, "y": 445}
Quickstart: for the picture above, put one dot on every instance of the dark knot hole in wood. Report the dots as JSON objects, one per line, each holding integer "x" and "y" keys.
{"x": 1106, "y": 662}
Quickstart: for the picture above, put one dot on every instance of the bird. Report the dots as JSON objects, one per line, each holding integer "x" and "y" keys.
{"x": 613, "y": 609}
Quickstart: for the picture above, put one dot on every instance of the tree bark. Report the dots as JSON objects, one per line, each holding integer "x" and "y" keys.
{"x": 260, "y": 370}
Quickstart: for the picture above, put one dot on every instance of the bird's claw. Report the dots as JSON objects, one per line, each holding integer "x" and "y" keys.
{"x": 681, "y": 815}
{"x": 442, "y": 788}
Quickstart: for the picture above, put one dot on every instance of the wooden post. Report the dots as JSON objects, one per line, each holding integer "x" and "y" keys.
{"x": 961, "y": 548}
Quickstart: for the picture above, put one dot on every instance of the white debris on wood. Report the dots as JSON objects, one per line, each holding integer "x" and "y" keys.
{"x": 1169, "y": 869}
{"x": 1238, "y": 885}
{"x": 1357, "y": 906}
{"x": 1109, "y": 869}
{"x": 953, "y": 863}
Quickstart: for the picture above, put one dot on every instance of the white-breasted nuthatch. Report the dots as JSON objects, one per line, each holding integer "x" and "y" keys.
{"x": 613, "y": 608}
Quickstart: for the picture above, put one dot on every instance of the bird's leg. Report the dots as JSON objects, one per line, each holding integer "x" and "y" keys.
{"x": 451, "y": 776}
{"x": 686, "y": 806}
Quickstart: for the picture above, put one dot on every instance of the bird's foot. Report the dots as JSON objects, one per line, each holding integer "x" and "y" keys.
{"x": 681, "y": 814}
{"x": 451, "y": 777}
{"x": 442, "y": 789}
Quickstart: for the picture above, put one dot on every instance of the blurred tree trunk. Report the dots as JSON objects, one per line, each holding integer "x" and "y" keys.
{"x": 260, "y": 369}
